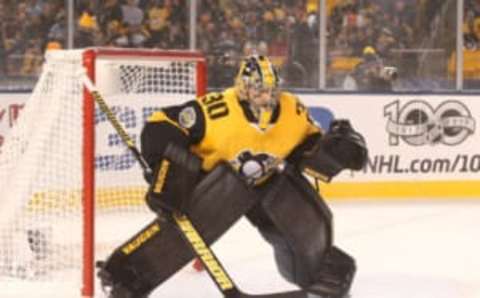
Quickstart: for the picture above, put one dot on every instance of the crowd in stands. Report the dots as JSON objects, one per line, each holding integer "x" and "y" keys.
{"x": 287, "y": 30}
{"x": 24, "y": 29}
{"x": 386, "y": 26}
{"x": 226, "y": 29}
{"x": 29, "y": 27}
{"x": 381, "y": 24}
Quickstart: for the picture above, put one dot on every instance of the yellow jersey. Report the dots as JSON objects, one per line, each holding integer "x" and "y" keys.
{"x": 222, "y": 128}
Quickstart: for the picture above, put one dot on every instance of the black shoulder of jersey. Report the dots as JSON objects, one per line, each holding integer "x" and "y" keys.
{"x": 189, "y": 116}
{"x": 156, "y": 135}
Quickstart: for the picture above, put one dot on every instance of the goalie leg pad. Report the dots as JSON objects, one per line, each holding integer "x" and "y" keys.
{"x": 159, "y": 250}
{"x": 297, "y": 223}
{"x": 335, "y": 274}
{"x": 140, "y": 263}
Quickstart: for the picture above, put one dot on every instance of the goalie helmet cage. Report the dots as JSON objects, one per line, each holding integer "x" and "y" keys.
{"x": 67, "y": 179}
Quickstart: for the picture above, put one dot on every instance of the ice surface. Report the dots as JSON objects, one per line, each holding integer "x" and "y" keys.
{"x": 404, "y": 249}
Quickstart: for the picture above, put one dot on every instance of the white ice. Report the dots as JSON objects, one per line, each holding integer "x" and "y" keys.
{"x": 404, "y": 249}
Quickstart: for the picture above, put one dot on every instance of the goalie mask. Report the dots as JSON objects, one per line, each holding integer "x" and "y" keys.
{"x": 257, "y": 82}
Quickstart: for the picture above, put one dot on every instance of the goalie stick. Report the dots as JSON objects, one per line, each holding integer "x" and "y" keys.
{"x": 215, "y": 269}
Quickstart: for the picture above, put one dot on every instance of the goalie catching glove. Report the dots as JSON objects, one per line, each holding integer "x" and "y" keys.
{"x": 174, "y": 179}
{"x": 341, "y": 148}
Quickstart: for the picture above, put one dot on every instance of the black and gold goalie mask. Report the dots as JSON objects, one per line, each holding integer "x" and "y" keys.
{"x": 257, "y": 82}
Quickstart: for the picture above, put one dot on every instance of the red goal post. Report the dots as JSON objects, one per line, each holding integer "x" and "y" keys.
{"x": 67, "y": 177}
{"x": 90, "y": 57}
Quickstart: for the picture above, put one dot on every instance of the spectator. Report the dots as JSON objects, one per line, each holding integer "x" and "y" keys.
{"x": 178, "y": 31}
{"x": 110, "y": 21}
{"x": 157, "y": 23}
{"x": 223, "y": 66}
{"x": 109, "y": 12}
{"x": 88, "y": 32}
{"x": 32, "y": 59}
{"x": 132, "y": 19}
{"x": 385, "y": 43}
{"x": 251, "y": 25}
{"x": 207, "y": 33}
{"x": 58, "y": 31}
{"x": 306, "y": 44}
{"x": 371, "y": 75}
{"x": 3, "y": 69}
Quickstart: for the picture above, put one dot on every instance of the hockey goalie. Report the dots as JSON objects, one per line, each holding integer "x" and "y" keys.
{"x": 245, "y": 151}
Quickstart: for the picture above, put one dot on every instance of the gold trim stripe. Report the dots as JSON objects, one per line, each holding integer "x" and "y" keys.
{"x": 405, "y": 190}
{"x": 402, "y": 189}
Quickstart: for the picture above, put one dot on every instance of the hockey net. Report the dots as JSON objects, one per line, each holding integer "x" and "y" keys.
{"x": 70, "y": 191}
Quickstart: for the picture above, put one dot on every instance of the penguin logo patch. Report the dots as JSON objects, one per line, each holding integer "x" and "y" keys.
{"x": 254, "y": 166}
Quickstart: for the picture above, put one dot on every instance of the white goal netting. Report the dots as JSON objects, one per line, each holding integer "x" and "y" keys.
{"x": 42, "y": 164}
